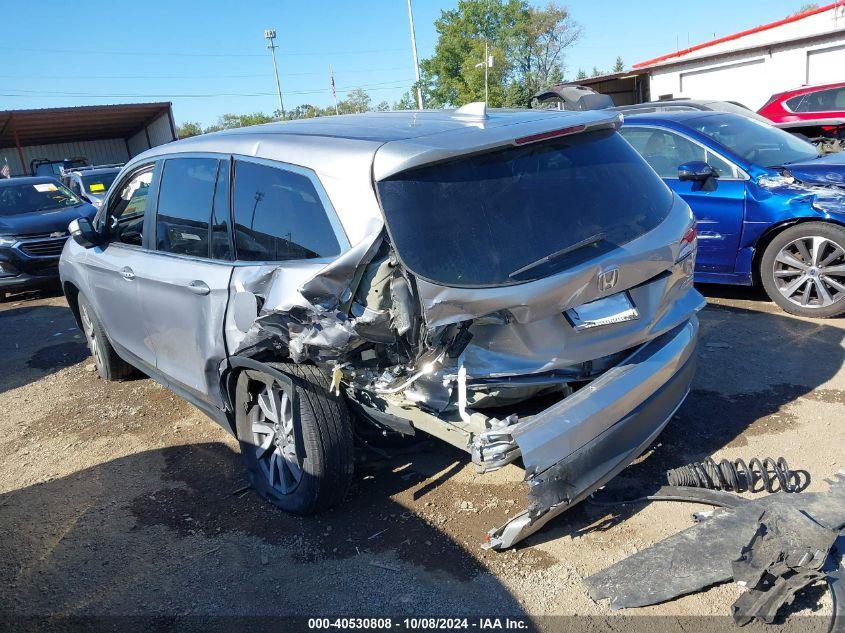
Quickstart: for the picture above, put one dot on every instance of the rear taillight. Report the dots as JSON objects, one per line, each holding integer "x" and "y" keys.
{"x": 686, "y": 254}
{"x": 689, "y": 236}
{"x": 542, "y": 136}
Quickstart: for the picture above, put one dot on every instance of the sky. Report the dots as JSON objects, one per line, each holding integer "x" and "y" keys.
{"x": 210, "y": 57}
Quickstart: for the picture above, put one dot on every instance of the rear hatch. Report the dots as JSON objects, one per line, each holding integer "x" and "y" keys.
{"x": 517, "y": 238}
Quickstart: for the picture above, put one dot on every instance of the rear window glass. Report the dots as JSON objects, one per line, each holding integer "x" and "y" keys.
{"x": 522, "y": 213}
{"x": 98, "y": 184}
{"x": 279, "y": 216}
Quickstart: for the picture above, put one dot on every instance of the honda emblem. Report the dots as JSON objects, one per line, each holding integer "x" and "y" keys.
{"x": 608, "y": 279}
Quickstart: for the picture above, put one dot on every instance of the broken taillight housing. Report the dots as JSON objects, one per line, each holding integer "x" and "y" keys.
{"x": 686, "y": 254}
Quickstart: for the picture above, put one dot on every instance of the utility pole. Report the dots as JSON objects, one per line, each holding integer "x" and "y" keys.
{"x": 487, "y": 63}
{"x": 334, "y": 92}
{"x": 270, "y": 35}
{"x": 416, "y": 59}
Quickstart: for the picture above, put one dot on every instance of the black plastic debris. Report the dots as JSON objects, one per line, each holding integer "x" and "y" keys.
{"x": 703, "y": 554}
{"x": 785, "y": 555}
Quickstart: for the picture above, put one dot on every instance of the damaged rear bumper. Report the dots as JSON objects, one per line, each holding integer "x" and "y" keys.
{"x": 599, "y": 430}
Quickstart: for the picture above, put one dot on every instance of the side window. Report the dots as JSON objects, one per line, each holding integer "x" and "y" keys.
{"x": 795, "y": 103}
{"x": 185, "y": 198}
{"x": 126, "y": 214}
{"x": 74, "y": 186}
{"x": 279, "y": 216}
{"x": 666, "y": 151}
{"x": 824, "y": 101}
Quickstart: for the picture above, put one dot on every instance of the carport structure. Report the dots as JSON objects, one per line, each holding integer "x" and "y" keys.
{"x": 101, "y": 133}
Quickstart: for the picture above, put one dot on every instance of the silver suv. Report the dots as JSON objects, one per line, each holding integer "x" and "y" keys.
{"x": 515, "y": 283}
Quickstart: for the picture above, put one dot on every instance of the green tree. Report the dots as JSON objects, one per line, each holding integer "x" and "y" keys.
{"x": 229, "y": 121}
{"x": 383, "y": 106}
{"x": 807, "y": 6}
{"x": 596, "y": 72}
{"x": 527, "y": 45}
{"x": 582, "y": 74}
{"x": 619, "y": 66}
{"x": 356, "y": 101}
{"x": 407, "y": 102}
{"x": 188, "y": 128}
{"x": 307, "y": 111}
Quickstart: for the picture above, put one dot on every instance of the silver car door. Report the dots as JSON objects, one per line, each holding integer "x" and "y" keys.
{"x": 111, "y": 267}
{"x": 184, "y": 282}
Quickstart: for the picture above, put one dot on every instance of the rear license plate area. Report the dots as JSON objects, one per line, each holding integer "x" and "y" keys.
{"x": 617, "y": 308}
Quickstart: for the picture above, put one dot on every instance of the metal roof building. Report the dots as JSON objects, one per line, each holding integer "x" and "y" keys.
{"x": 751, "y": 65}
{"x": 101, "y": 133}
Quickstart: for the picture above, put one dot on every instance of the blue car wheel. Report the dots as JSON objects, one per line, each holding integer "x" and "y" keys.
{"x": 803, "y": 269}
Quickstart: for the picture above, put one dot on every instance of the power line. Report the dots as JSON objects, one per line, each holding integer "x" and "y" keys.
{"x": 244, "y": 76}
{"x": 53, "y": 93}
{"x": 146, "y": 53}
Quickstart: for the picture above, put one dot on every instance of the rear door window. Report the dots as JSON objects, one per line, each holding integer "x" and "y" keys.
{"x": 185, "y": 200}
{"x": 279, "y": 215}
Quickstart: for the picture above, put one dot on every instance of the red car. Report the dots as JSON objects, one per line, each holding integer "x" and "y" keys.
{"x": 817, "y": 112}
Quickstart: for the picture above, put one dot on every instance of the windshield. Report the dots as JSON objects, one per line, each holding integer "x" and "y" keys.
{"x": 34, "y": 197}
{"x": 756, "y": 142}
{"x": 524, "y": 212}
{"x": 98, "y": 184}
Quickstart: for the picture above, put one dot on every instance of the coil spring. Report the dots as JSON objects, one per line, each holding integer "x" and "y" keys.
{"x": 737, "y": 475}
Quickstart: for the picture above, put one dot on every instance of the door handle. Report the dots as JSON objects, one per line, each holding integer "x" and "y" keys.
{"x": 199, "y": 287}
{"x": 127, "y": 273}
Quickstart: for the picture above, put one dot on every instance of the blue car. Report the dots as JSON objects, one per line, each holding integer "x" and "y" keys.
{"x": 769, "y": 209}
{"x": 34, "y": 215}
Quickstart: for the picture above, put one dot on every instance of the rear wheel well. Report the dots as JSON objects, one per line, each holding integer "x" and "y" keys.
{"x": 771, "y": 233}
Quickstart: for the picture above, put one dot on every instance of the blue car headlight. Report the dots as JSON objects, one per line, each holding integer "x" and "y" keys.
{"x": 7, "y": 240}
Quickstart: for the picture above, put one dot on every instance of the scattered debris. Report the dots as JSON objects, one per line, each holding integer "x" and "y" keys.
{"x": 384, "y": 566}
{"x": 785, "y": 555}
{"x": 370, "y": 538}
{"x": 772, "y": 475}
{"x": 794, "y": 541}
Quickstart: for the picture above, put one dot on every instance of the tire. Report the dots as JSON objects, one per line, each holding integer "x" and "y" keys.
{"x": 295, "y": 437}
{"x": 109, "y": 365}
{"x": 803, "y": 269}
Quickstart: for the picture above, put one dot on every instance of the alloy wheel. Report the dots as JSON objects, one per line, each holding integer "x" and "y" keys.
{"x": 91, "y": 336}
{"x": 810, "y": 272}
{"x": 274, "y": 436}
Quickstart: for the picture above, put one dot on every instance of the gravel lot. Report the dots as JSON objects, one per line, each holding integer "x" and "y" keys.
{"x": 121, "y": 499}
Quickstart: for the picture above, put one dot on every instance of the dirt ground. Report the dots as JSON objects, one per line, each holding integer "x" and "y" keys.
{"x": 121, "y": 499}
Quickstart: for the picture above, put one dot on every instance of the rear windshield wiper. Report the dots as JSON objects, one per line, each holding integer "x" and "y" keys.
{"x": 590, "y": 241}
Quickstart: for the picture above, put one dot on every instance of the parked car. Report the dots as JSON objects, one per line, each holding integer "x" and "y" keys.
{"x": 34, "y": 216}
{"x": 817, "y": 112}
{"x": 91, "y": 183}
{"x": 691, "y": 105}
{"x": 54, "y": 168}
{"x": 461, "y": 274}
{"x": 769, "y": 209}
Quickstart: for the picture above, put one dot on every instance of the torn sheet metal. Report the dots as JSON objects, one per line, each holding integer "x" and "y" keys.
{"x": 309, "y": 321}
{"x": 702, "y": 554}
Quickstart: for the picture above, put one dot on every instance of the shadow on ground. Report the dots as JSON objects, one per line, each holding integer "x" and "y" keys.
{"x": 117, "y": 539}
{"x": 38, "y": 339}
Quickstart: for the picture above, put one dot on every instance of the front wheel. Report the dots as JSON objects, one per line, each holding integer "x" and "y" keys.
{"x": 803, "y": 270}
{"x": 296, "y": 438}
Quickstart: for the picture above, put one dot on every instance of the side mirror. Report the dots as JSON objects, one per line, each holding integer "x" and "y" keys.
{"x": 83, "y": 233}
{"x": 696, "y": 170}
